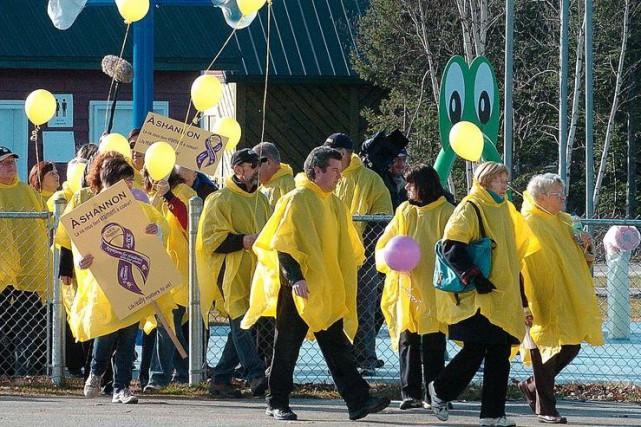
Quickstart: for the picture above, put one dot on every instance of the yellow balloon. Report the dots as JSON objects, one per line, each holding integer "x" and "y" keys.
{"x": 75, "y": 172}
{"x": 40, "y": 106}
{"x": 115, "y": 142}
{"x": 133, "y": 10}
{"x": 230, "y": 129}
{"x": 206, "y": 91}
{"x": 247, "y": 7}
{"x": 160, "y": 159}
{"x": 466, "y": 139}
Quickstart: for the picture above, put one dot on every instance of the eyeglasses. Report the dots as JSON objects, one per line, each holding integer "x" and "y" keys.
{"x": 557, "y": 193}
{"x": 501, "y": 181}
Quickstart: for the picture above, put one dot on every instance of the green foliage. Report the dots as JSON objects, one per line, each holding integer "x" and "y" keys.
{"x": 398, "y": 38}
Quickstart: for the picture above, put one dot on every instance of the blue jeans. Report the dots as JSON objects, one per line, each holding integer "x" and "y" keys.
{"x": 125, "y": 341}
{"x": 166, "y": 358}
{"x": 240, "y": 347}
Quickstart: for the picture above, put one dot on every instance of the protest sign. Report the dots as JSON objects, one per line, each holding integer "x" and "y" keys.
{"x": 131, "y": 267}
{"x": 196, "y": 148}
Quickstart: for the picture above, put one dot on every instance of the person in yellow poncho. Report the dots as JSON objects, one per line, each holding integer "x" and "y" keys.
{"x": 92, "y": 315}
{"x": 171, "y": 198}
{"x": 490, "y": 319}
{"x": 364, "y": 193}
{"x": 276, "y": 180}
{"x": 560, "y": 292}
{"x": 45, "y": 179}
{"x": 409, "y": 301}
{"x": 23, "y": 274}
{"x": 308, "y": 255}
{"x": 229, "y": 224}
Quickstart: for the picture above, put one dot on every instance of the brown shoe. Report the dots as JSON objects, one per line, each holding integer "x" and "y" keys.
{"x": 224, "y": 390}
{"x": 530, "y": 397}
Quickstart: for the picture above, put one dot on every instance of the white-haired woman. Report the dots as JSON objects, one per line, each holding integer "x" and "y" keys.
{"x": 489, "y": 321}
{"x": 560, "y": 292}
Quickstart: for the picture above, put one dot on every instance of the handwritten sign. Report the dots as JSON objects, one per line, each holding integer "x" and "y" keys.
{"x": 196, "y": 148}
{"x": 131, "y": 267}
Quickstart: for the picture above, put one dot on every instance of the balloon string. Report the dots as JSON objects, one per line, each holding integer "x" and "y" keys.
{"x": 267, "y": 61}
{"x": 34, "y": 138}
{"x": 198, "y": 115}
{"x": 113, "y": 78}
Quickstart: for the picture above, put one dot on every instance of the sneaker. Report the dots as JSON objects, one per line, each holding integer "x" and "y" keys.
{"x": 427, "y": 404}
{"x": 439, "y": 406}
{"x": 371, "y": 406}
{"x": 283, "y": 414}
{"x": 552, "y": 419}
{"x": 224, "y": 390}
{"x": 151, "y": 388}
{"x": 502, "y": 421}
{"x": 410, "y": 403}
{"x": 530, "y": 397}
{"x": 258, "y": 386}
{"x": 92, "y": 386}
{"x": 124, "y": 396}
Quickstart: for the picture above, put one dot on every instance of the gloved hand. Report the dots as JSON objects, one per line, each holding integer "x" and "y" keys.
{"x": 483, "y": 285}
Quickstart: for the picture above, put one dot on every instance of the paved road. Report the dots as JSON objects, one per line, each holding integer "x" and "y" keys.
{"x": 162, "y": 411}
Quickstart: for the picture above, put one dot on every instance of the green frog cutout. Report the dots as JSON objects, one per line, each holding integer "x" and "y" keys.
{"x": 468, "y": 94}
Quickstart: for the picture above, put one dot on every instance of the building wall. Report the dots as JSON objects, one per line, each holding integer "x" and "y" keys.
{"x": 86, "y": 86}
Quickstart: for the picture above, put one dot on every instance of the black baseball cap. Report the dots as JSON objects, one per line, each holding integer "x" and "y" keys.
{"x": 339, "y": 140}
{"x": 6, "y": 153}
{"x": 246, "y": 155}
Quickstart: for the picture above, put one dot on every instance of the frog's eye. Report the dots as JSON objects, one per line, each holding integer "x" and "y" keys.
{"x": 454, "y": 93}
{"x": 484, "y": 93}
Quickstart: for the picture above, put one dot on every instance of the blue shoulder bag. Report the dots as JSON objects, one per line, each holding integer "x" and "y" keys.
{"x": 480, "y": 251}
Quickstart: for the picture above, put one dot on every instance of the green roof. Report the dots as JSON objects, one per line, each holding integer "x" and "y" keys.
{"x": 309, "y": 39}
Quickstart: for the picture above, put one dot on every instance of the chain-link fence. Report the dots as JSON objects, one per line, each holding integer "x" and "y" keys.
{"x": 26, "y": 298}
{"x": 25, "y": 294}
{"x": 617, "y": 295}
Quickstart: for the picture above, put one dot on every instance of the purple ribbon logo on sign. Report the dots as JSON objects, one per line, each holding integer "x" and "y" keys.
{"x": 127, "y": 256}
{"x": 210, "y": 151}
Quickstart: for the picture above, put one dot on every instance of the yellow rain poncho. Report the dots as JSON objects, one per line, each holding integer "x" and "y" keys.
{"x": 177, "y": 241}
{"x": 558, "y": 283}
{"x": 409, "y": 300}
{"x": 364, "y": 192}
{"x": 139, "y": 180}
{"x": 503, "y": 224}
{"x": 24, "y": 242}
{"x": 315, "y": 228}
{"x": 91, "y": 313}
{"x": 46, "y": 195}
{"x": 66, "y": 194}
{"x": 281, "y": 183}
{"x": 230, "y": 210}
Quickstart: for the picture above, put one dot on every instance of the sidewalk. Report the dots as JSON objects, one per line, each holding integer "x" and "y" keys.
{"x": 162, "y": 411}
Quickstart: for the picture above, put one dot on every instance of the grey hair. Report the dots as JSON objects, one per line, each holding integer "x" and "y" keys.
{"x": 268, "y": 150}
{"x": 542, "y": 184}
{"x": 320, "y": 157}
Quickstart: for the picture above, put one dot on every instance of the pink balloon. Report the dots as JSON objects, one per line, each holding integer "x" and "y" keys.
{"x": 139, "y": 195}
{"x": 622, "y": 238}
{"x": 402, "y": 253}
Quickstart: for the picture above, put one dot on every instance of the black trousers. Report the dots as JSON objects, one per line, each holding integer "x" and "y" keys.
{"x": 461, "y": 369}
{"x": 336, "y": 348}
{"x": 422, "y": 358}
{"x": 542, "y": 382}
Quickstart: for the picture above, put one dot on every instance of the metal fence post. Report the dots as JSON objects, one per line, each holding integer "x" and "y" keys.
{"x": 195, "y": 322}
{"x": 58, "y": 324}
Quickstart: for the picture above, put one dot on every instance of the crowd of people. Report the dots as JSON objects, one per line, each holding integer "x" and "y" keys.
{"x": 281, "y": 257}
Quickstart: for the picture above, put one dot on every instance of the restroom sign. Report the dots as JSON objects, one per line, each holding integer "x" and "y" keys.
{"x": 63, "y": 118}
